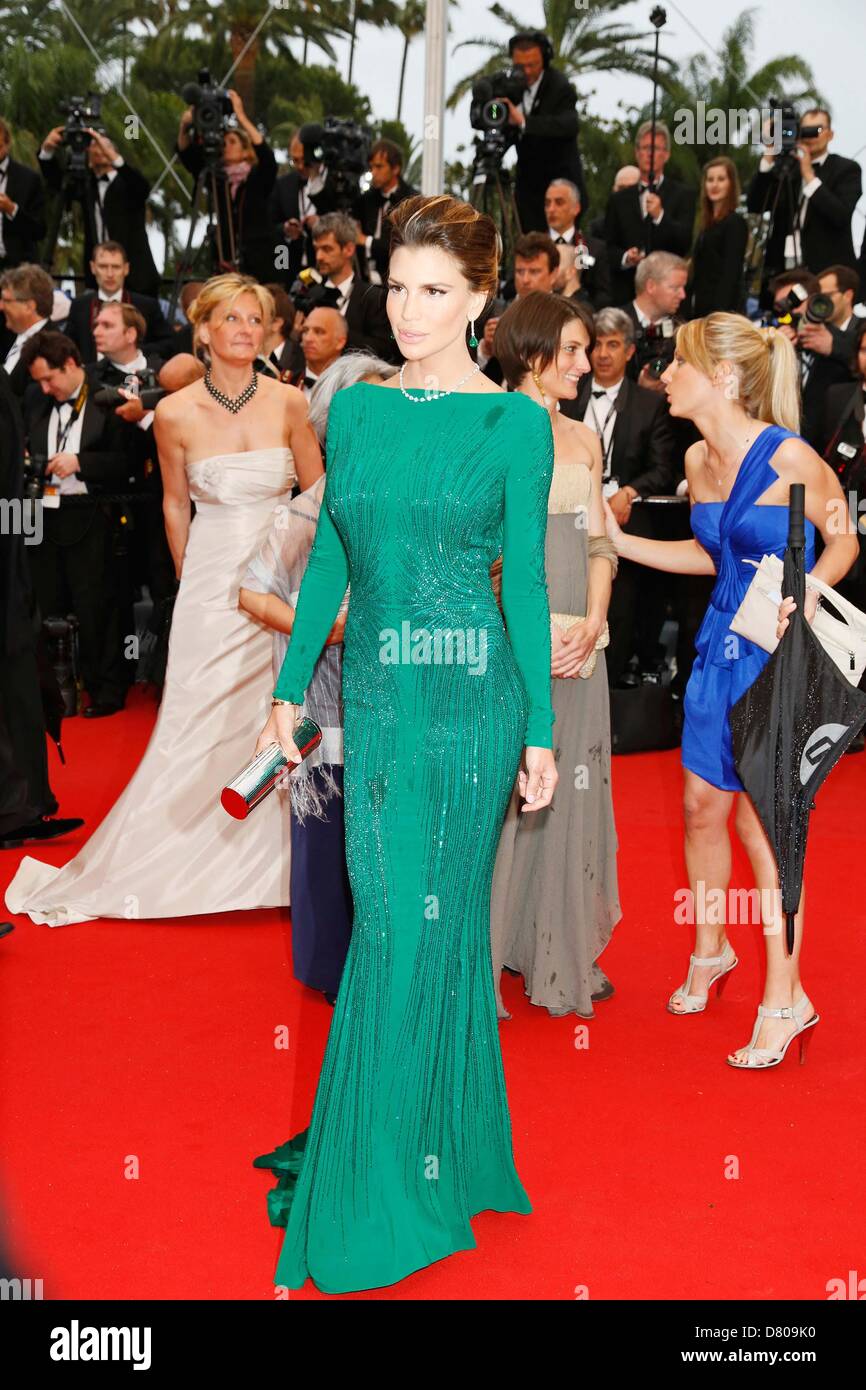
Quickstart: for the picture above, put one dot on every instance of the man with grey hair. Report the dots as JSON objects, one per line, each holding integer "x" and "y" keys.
{"x": 335, "y": 238}
{"x": 26, "y": 299}
{"x": 589, "y": 279}
{"x": 660, "y": 288}
{"x": 654, "y": 214}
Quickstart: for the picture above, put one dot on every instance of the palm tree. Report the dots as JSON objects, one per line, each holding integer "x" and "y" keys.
{"x": 411, "y": 22}
{"x": 383, "y": 13}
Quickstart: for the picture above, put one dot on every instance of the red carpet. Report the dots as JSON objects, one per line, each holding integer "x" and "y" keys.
{"x": 141, "y": 1078}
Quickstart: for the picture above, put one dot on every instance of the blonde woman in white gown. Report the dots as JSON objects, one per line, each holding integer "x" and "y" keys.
{"x": 167, "y": 848}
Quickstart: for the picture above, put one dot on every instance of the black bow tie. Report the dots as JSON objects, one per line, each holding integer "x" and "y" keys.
{"x": 596, "y": 394}
{"x": 102, "y": 178}
{"x": 560, "y": 240}
{"x": 310, "y": 380}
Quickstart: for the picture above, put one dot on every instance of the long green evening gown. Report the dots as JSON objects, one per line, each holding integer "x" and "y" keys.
{"x": 410, "y": 1134}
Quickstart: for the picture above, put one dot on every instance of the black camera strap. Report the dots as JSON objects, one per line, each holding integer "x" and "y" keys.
{"x": 63, "y": 434}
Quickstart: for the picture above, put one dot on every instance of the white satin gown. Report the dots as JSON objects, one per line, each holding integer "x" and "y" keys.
{"x": 167, "y": 848}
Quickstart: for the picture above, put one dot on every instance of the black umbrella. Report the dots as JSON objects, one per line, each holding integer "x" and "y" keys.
{"x": 792, "y": 726}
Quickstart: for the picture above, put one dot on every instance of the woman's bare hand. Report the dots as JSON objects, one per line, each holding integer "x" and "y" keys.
{"x": 279, "y": 729}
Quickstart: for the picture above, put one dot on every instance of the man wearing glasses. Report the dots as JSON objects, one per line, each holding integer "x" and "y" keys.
{"x": 812, "y": 226}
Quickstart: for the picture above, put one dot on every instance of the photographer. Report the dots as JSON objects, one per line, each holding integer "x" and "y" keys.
{"x": 660, "y": 288}
{"x": 248, "y": 172}
{"x": 812, "y": 221}
{"x": 815, "y": 312}
{"x": 110, "y": 269}
{"x": 647, "y": 216}
{"x": 546, "y": 127}
{"x": 587, "y": 277}
{"x": 83, "y": 452}
{"x": 362, "y": 305}
{"x": 371, "y": 208}
{"x": 22, "y": 207}
{"x": 115, "y": 207}
{"x": 299, "y": 198}
{"x": 26, "y": 298}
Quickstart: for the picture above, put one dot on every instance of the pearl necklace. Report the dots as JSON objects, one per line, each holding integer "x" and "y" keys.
{"x": 433, "y": 395}
{"x": 236, "y": 404}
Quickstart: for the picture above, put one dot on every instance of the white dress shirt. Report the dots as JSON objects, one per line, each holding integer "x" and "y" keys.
{"x": 71, "y": 445}
{"x": 529, "y": 94}
{"x": 601, "y": 418}
{"x": 344, "y": 289}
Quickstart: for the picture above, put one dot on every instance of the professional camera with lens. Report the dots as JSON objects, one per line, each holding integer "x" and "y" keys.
{"x": 488, "y": 110}
{"x": 816, "y": 308}
{"x": 81, "y": 113}
{"x": 212, "y": 111}
{"x": 310, "y": 292}
{"x": 654, "y": 346}
{"x": 344, "y": 148}
{"x": 34, "y": 476}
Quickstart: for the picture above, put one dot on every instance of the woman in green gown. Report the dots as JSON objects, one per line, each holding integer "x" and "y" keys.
{"x": 429, "y": 478}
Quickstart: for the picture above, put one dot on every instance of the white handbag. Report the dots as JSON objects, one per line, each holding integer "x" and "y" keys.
{"x": 757, "y": 618}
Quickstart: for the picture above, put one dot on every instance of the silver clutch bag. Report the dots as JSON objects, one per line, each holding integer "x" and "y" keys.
{"x": 253, "y": 783}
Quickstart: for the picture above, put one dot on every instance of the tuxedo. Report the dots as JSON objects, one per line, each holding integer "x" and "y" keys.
{"x": 22, "y": 233}
{"x": 624, "y": 227}
{"x": 844, "y": 448}
{"x": 371, "y": 210}
{"x": 367, "y": 322}
{"x": 285, "y": 203}
{"x": 547, "y": 149}
{"x": 825, "y": 371}
{"x": 85, "y": 307}
{"x": 641, "y": 454}
{"x": 19, "y": 376}
{"x": 81, "y": 564}
{"x": 124, "y": 205}
{"x": 825, "y": 236}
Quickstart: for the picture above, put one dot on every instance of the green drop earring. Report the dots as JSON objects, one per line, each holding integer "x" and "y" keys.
{"x": 473, "y": 341}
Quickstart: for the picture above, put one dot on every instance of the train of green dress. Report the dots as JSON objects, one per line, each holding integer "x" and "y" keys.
{"x": 410, "y": 1133}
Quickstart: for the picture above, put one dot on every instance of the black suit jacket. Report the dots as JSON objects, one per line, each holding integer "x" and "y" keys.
{"x": 19, "y": 377}
{"x": 15, "y": 592}
{"x": 85, "y": 307}
{"x": 718, "y": 260}
{"x": 547, "y": 145}
{"x": 825, "y": 372}
{"x": 23, "y": 232}
{"x": 124, "y": 206}
{"x": 643, "y": 451}
{"x": 825, "y": 238}
{"x": 107, "y": 462}
{"x": 283, "y": 204}
{"x": 624, "y": 227}
{"x": 366, "y": 213}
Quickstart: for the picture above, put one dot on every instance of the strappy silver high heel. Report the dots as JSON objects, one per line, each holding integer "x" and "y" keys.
{"x": 696, "y": 1003}
{"x": 760, "y": 1058}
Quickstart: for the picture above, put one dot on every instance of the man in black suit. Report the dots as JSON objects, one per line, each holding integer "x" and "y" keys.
{"x": 660, "y": 288}
{"x": 824, "y": 349}
{"x": 26, "y": 299}
{"x": 546, "y": 122}
{"x": 812, "y": 223}
{"x": 27, "y": 803}
{"x": 298, "y": 199}
{"x": 79, "y": 565}
{"x": 562, "y": 211}
{"x": 335, "y": 237}
{"x": 843, "y": 445}
{"x": 655, "y": 214}
{"x": 111, "y": 270}
{"x": 638, "y": 460}
{"x": 371, "y": 208}
{"x": 22, "y": 207}
{"x": 115, "y": 206}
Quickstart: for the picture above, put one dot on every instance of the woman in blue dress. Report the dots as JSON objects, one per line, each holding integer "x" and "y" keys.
{"x": 739, "y": 384}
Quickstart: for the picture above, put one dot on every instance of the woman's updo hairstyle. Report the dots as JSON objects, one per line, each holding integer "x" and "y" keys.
{"x": 225, "y": 289}
{"x": 763, "y": 359}
{"x": 458, "y": 229}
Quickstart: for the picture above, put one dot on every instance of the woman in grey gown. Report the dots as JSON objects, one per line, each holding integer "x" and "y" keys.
{"x": 555, "y": 898}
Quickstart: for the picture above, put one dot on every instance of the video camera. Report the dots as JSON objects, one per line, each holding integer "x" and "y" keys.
{"x": 344, "y": 148}
{"x": 489, "y": 114}
{"x": 791, "y": 132}
{"x": 211, "y": 111}
{"x": 81, "y": 113}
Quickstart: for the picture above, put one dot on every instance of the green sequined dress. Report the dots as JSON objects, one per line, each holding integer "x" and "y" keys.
{"x": 410, "y": 1134}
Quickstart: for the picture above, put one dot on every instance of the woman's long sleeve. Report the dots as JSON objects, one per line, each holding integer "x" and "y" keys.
{"x": 524, "y": 583}
{"x": 321, "y": 593}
